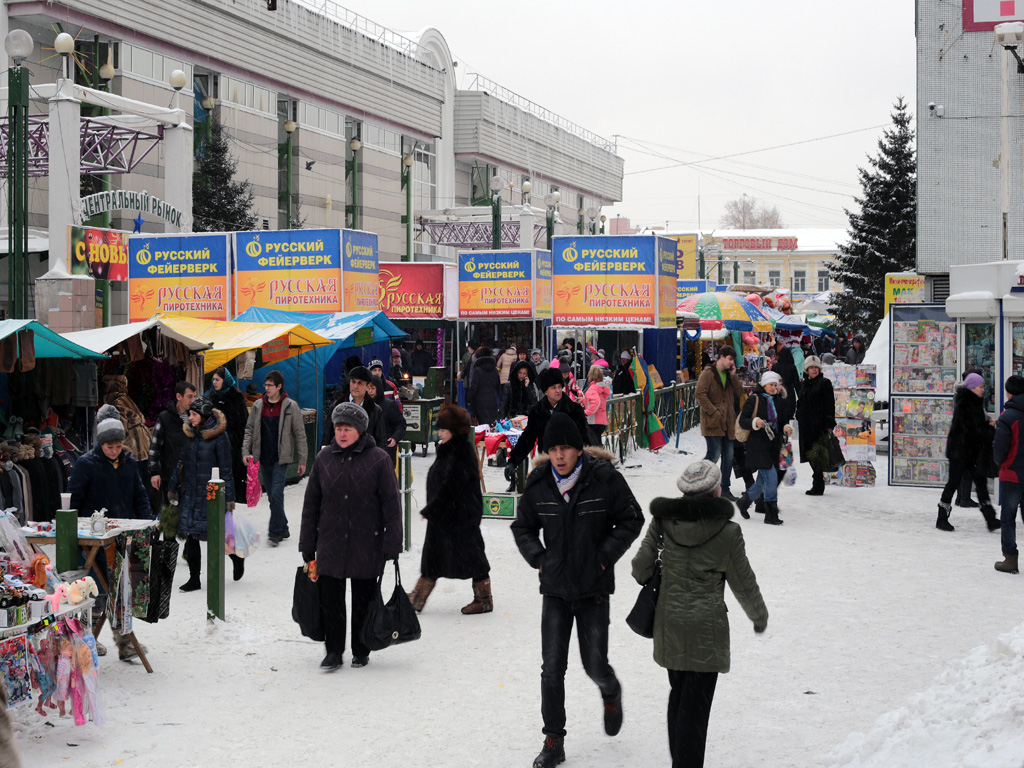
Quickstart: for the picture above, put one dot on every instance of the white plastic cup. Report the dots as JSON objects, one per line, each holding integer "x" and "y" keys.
{"x": 65, "y": 501}
{"x": 215, "y": 473}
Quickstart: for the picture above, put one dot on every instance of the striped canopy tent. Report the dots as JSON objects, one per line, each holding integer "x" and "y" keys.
{"x": 726, "y": 310}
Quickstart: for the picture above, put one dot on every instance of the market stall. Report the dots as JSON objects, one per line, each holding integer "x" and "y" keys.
{"x": 729, "y": 319}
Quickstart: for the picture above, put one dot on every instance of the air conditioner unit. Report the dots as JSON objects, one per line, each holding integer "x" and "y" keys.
{"x": 264, "y": 222}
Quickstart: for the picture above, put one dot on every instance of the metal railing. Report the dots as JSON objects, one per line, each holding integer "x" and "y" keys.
{"x": 625, "y": 416}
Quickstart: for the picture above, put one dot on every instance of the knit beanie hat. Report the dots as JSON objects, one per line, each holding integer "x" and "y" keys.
{"x": 812, "y": 361}
{"x": 561, "y": 430}
{"x": 360, "y": 373}
{"x": 700, "y": 478}
{"x": 973, "y": 380}
{"x": 548, "y": 378}
{"x": 108, "y": 425}
{"x": 202, "y": 406}
{"x": 375, "y": 363}
{"x": 351, "y": 414}
{"x": 770, "y": 376}
{"x": 828, "y": 358}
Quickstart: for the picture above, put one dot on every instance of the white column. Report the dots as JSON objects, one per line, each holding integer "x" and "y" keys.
{"x": 178, "y": 173}
{"x": 526, "y": 228}
{"x": 65, "y": 172}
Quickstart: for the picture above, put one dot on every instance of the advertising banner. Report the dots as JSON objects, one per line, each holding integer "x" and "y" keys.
{"x": 411, "y": 290}
{"x": 667, "y": 267}
{"x": 687, "y": 288}
{"x": 543, "y": 288}
{"x": 496, "y": 284}
{"x": 295, "y": 269}
{"x": 178, "y": 273}
{"x": 98, "y": 253}
{"x": 903, "y": 288}
{"x": 686, "y": 256}
{"x": 359, "y": 271}
{"x": 605, "y": 280}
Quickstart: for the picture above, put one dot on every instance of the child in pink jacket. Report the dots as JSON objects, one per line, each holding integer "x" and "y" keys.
{"x": 595, "y": 402}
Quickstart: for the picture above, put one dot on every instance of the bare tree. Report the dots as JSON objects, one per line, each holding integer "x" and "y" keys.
{"x": 745, "y": 213}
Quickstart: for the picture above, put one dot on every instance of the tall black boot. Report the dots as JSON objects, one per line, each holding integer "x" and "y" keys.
{"x": 817, "y": 484}
{"x": 991, "y": 518}
{"x": 194, "y": 558}
{"x": 743, "y": 502}
{"x": 942, "y": 522}
{"x": 238, "y": 567}
{"x": 771, "y": 513}
{"x": 759, "y": 506}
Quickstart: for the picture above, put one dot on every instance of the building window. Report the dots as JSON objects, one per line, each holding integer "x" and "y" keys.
{"x": 799, "y": 280}
{"x": 247, "y": 95}
{"x": 143, "y": 63}
{"x": 775, "y": 278}
{"x": 750, "y": 276}
{"x": 823, "y": 282}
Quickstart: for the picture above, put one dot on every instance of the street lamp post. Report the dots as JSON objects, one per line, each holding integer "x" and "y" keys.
{"x": 1009, "y": 35}
{"x": 551, "y": 201}
{"x": 289, "y": 129}
{"x": 408, "y": 162}
{"x": 19, "y": 46}
{"x": 579, "y": 220}
{"x": 603, "y": 220}
{"x": 496, "y": 185}
{"x": 592, "y": 215}
{"x": 352, "y": 169}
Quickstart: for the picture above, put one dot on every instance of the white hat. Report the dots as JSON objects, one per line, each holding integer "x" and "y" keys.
{"x": 769, "y": 377}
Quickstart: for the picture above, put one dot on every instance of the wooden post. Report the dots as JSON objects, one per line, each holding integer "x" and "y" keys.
{"x": 405, "y": 473}
{"x": 215, "y": 507}
{"x": 67, "y": 540}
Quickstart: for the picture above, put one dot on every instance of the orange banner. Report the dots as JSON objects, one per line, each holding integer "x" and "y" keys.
{"x": 592, "y": 299}
{"x": 317, "y": 289}
{"x": 203, "y": 297}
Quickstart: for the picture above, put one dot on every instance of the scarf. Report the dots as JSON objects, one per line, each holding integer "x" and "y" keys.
{"x": 566, "y": 484}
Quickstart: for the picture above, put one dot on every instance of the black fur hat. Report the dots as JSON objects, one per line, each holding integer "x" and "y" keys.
{"x": 548, "y": 378}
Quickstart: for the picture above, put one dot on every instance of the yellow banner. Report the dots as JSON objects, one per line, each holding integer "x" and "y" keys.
{"x": 205, "y": 298}
{"x": 903, "y": 289}
{"x": 509, "y": 298}
{"x": 686, "y": 258}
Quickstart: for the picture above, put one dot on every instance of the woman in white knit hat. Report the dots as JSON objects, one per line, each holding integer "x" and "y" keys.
{"x": 767, "y": 417}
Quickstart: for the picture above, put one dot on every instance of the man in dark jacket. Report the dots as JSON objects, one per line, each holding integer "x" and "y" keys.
{"x": 421, "y": 360}
{"x": 589, "y": 518}
{"x": 359, "y": 380}
{"x": 855, "y": 355}
{"x": 483, "y": 397}
{"x": 391, "y": 415}
{"x": 717, "y": 391}
{"x": 1008, "y": 456}
{"x": 168, "y": 438}
{"x": 553, "y": 401}
{"x": 107, "y": 477}
{"x": 519, "y": 395}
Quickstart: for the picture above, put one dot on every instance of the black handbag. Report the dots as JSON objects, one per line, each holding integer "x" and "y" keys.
{"x": 306, "y": 606}
{"x": 390, "y": 623}
{"x": 641, "y": 618}
{"x": 835, "y": 453}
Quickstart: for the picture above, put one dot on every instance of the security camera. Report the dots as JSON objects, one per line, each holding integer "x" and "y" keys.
{"x": 931, "y": 106}
{"x": 1010, "y": 34}
{"x": 940, "y": 111}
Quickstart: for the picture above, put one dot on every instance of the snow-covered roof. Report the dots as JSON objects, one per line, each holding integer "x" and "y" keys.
{"x": 809, "y": 239}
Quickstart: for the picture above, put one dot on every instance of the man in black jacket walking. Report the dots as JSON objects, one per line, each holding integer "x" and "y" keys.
{"x": 168, "y": 439}
{"x": 359, "y": 380}
{"x": 589, "y": 518}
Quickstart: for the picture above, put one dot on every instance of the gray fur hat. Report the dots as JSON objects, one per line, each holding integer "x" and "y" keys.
{"x": 351, "y": 414}
{"x": 108, "y": 425}
{"x": 700, "y": 478}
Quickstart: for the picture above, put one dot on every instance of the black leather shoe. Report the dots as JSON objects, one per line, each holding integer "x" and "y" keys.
{"x": 552, "y": 753}
{"x": 743, "y": 502}
{"x": 613, "y": 714}
{"x": 331, "y": 662}
{"x": 728, "y": 495}
{"x": 358, "y": 662}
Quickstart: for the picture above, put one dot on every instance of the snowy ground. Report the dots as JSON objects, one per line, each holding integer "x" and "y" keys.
{"x": 889, "y": 644}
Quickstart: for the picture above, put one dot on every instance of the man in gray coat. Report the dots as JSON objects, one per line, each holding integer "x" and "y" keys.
{"x": 275, "y": 436}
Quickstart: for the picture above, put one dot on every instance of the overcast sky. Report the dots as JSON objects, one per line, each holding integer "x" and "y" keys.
{"x": 677, "y": 82}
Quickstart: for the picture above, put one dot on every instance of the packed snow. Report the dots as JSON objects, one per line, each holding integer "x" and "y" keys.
{"x": 889, "y": 644}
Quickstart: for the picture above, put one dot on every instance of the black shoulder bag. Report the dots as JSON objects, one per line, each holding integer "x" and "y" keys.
{"x": 393, "y": 622}
{"x": 641, "y": 618}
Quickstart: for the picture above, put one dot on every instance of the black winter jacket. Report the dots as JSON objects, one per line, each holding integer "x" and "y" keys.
{"x": 517, "y": 397}
{"x": 202, "y": 452}
{"x": 165, "y": 447}
{"x": 231, "y": 403}
{"x": 1006, "y": 452}
{"x": 785, "y": 366}
{"x": 376, "y": 429}
{"x": 622, "y": 383}
{"x": 483, "y": 397}
{"x": 815, "y": 413}
{"x": 351, "y": 518}
{"x": 584, "y": 537}
{"x": 762, "y": 453}
{"x": 970, "y": 434}
{"x": 537, "y": 421}
{"x": 96, "y": 483}
{"x": 453, "y": 547}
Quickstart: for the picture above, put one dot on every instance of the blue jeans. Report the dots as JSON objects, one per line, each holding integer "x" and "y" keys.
{"x": 721, "y": 447}
{"x": 766, "y": 484}
{"x": 272, "y": 478}
{"x": 1011, "y": 497}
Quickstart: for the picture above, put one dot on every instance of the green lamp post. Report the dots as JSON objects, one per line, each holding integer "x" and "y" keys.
{"x": 408, "y": 161}
{"x": 19, "y": 46}
{"x": 352, "y": 169}
{"x": 289, "y": 129}
{"x": 551, "y": 201}
{"x": 496, "y": 185}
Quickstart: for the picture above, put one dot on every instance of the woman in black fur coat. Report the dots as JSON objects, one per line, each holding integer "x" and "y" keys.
{"x": 816, "y": 415}
{"x": 453, "y": 547}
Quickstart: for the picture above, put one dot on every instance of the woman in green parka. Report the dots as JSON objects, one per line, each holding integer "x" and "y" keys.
{"x": 703, "y": 549}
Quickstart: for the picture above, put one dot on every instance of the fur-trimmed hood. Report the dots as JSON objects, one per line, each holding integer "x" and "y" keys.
{"x": 211, "y": 433}
{"x": 593, "y": 451}
{"x": 691, "y": 521}
{"x": 783, "y": 393}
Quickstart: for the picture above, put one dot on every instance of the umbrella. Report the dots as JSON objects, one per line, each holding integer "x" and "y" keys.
{"x": 718, "y": 310}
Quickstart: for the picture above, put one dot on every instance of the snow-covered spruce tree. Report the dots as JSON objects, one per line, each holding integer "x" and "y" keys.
{"x": 219, "y": 203}
{"x": 883, "y": 234}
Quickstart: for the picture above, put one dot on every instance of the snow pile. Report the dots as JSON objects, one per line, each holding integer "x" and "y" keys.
{"x": 970, "y": 717}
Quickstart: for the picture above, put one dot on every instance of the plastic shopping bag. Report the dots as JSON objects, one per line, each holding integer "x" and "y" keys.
{"x": 247, "y": 540}
{"x": 253, "y": 491}
{"x": 229, "y": 533}
{"x": 790, "y": 476}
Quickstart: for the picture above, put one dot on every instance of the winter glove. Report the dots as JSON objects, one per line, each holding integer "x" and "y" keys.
{"x": 759, "y": 628}
{"x": 308, "y": 557}
{"x": 510, "y": 472}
